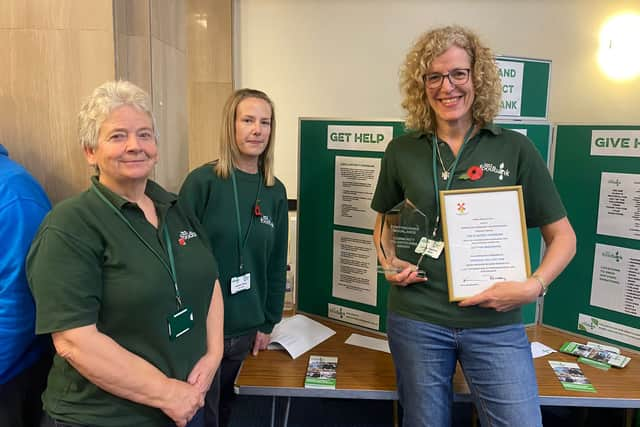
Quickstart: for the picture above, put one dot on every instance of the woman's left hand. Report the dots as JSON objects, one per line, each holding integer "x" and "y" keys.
{"x": 505, "y": 296}
{"x": 203, "y": 372}
{"x": 261, "y": 342}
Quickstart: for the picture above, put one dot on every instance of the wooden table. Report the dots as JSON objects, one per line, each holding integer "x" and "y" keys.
{"x": 369, "y": 374}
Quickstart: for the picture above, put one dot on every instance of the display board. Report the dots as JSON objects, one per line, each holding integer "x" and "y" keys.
{"x": 597, "y": 172}
{"x": 525, "y": 87}
{"x": 343, "y": 156}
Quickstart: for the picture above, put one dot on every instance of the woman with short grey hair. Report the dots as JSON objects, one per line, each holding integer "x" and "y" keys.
{"x": 125, "y": 282}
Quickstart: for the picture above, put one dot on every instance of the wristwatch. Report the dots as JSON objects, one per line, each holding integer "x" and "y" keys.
{"x": 543, "y": 285}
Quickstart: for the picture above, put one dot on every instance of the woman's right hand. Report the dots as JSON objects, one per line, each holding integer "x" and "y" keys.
{"x": 182, "y": 402}
{"x": 402, "y": 273}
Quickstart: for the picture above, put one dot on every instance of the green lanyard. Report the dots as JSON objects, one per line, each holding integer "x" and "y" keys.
{"x": 171, "y": 268}
{"x": 242, "y": 244}
{"x": 450, "y": 180}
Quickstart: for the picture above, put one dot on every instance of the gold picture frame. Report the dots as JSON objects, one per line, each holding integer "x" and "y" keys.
{"x": 485, "y": 236}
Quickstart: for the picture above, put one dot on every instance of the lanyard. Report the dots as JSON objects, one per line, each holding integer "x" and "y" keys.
{"x": 242, "y": 243}
{"x": 171, "y": 268}
{"x": 450, "y": 180}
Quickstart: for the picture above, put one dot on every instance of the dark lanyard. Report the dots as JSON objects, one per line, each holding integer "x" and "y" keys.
{"x": 242, "y": 243}
{"x": 171, "y": 268}
{"x": 450, "y": 180}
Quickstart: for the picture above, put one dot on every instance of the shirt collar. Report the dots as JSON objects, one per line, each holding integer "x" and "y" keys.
{"x": 489, "y": 127}
{"x": 155, "y": 192}
{"x": 3, "y": 151}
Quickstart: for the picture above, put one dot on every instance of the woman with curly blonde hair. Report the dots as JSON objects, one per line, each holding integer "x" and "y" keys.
{"x": 452, "y": 93}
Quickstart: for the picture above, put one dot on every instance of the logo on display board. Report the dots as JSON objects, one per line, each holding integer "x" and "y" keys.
{"x": 620, "y": 143}
{"x": 613, "y": 255}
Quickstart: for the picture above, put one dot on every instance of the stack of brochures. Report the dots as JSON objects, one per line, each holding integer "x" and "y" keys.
{"x": 594, "y": 353}
{"x": 321, "y": 372}
{"x": 571, "y": 376}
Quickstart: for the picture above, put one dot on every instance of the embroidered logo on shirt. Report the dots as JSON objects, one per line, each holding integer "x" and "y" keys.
{"x": 500, "y": 170}
{"x": 184, "y": 236}
{"x": 264, "y": 219}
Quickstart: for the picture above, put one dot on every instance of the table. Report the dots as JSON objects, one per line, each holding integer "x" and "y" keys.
{"x": 368, "y": 374}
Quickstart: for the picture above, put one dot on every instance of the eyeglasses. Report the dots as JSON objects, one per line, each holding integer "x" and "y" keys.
{"x": 457, "y": 76}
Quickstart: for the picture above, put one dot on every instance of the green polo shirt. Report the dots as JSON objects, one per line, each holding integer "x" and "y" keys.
{"x": 507, "y": 158}
{"x": 86, "y": 266}
{"x": 263, "y": 239}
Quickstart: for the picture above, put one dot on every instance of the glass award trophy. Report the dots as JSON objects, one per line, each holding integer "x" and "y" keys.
{"x": 403, "y": 238}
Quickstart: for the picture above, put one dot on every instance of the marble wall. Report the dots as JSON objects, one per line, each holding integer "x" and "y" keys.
{"x": 210, "y": 75}
{"x": 54, "y": 53}
{"x": 58, "y": 51}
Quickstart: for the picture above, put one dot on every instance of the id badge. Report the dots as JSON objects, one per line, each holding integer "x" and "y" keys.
{"x": 240, "y": 283}
{"x": 434, "y": 248}
{"x": 180, "y": 323}
{"x": 422, "y": 246}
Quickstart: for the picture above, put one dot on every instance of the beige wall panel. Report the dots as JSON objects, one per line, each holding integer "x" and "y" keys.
{"x": 47, "y": 76}
{"x": 133, "y": 16}
{"x": 78, "y": 62}
{"x": 209, "y": 31}
{"x": 24, "y": 110}
{"x": 206, "y": 102}
{"x": 133, "y": 43}
{"x": 170, "y": 107}
{"x": 133, "y": 58}
{"x": 56, "y": 14}
{"x": 168, "y": 22}
{"x": 210, "y": 41}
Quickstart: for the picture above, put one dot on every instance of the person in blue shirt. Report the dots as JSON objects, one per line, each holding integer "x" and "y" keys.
{"x": 24, "y": 358}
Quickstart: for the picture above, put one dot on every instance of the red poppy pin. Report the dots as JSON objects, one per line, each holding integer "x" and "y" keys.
{"x": 474, "y": 173}
{"x": 256, "y": 209}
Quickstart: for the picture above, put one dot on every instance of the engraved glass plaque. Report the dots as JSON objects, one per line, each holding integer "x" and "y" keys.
{"x": 403, "y": 238}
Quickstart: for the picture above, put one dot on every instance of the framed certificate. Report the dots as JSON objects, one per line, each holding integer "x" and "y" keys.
{"x": 485, "y": 238}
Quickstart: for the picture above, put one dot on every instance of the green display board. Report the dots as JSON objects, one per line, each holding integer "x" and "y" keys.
{"x": 315, "y": 246}
{"x": 578, "y": 179}
{"x": 525, "y": 87}
{"x": 315, "y": 218}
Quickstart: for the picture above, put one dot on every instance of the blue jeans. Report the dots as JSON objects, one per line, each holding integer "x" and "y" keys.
{"x": 496, "y": 363}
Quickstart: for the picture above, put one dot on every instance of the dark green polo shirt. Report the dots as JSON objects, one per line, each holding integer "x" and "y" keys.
{"x": 507, "y": 158}
{"x": 87, "y": 267}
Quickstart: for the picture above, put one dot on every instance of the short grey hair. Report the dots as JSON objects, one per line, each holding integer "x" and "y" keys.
{"x": 104, "y": 99}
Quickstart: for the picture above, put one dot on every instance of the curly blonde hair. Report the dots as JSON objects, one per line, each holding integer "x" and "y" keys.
{"x": 484, "y": 74}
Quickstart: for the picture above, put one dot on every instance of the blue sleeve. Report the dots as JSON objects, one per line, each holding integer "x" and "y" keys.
{"x": 19, "y": 221}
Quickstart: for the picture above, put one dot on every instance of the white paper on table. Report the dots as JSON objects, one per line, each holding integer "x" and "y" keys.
{"x": 298, "y": 334}
{"x": 538, "y": 349}
{"x": 368, "y": 342}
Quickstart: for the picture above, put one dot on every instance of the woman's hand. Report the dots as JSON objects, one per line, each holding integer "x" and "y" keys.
{"x": 182, "y": 402}
{"x": 261, "y": 342}
{"x": 505, "y": 296}
{"x": 203, "y": 372}
{"x": 402, "y": 273}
